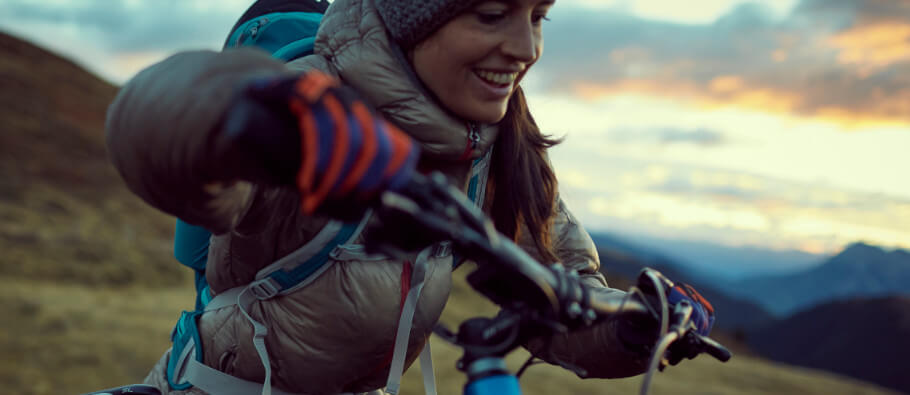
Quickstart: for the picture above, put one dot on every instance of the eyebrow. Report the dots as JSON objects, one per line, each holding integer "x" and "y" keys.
{"x": 512, "y": 2}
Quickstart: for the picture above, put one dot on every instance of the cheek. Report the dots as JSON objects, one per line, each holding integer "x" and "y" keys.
{"x": 434, "y": 66}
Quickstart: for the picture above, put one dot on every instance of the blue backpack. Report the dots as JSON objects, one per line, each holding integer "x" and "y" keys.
{"x": 287, "y": 30}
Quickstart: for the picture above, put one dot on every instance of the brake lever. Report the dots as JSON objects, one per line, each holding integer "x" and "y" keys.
{"x": 713, "y": 348}
{"x": 687, "y": 340}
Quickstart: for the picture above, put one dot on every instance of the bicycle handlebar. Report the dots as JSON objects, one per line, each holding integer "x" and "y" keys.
{"x": 506, "y": 274}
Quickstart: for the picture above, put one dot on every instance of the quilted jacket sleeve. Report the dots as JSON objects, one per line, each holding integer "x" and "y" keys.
{"x": 595, "y": 349}
{"x": 161, "y": 134}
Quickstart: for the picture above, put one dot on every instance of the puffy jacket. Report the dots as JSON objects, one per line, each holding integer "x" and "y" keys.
{"x": 336, "y": 334}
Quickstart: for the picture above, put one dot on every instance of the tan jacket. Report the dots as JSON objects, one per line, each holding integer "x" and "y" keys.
{"x": 336, "y": 334}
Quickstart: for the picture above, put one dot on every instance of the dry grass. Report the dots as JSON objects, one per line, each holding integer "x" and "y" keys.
{"x": 65, "y": 339}
{"x": 704, "y": 375}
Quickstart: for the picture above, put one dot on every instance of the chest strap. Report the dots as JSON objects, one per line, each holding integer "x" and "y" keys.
{"x": 186, "y": 368}
{"x": 285, "y": 275}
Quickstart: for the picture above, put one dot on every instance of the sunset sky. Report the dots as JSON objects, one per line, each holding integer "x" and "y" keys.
{"x": 782, "y": 124}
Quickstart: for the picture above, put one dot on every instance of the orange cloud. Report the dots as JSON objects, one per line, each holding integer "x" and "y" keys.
{"x": 726, "y": 91}
{"x": 873, "y": 47}
{"x": 882, "y": 109}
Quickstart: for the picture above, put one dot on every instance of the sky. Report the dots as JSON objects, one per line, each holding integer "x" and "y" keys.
{"x": 777, "y": 124}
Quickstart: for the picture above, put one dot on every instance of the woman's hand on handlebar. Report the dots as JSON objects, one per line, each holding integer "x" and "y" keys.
{"x": 310, "y": 131}
{"x": 641, "y": 331}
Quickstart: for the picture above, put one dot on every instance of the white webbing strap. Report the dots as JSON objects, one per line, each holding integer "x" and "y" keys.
{"x": 426, "y": 369}
{"x": 243, "y": 298}
{"x": 217, "y": 382}
{"x": 244, "y": 302}
{"x": 418, "y": 279}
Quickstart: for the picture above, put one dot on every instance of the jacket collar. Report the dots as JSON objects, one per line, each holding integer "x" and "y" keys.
{"x": 353, "y": 41}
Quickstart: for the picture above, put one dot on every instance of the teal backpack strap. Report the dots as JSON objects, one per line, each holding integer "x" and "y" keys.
{"x": 191, "y": 248}
{"x": 186, "y": 335}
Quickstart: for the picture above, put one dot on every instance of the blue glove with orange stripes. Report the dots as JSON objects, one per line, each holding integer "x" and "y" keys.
{"x": 641, "y": 332}
{"x": 702, "y": 311}
{"x": 321, "y": 135}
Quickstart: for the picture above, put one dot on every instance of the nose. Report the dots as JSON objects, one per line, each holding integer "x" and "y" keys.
{"x": 523, "y": 42}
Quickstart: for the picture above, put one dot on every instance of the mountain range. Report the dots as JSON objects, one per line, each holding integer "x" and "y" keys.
{"x": 719, "y": 262}
{"x": 844, "y": 314}
{"x": 859, "y": 271}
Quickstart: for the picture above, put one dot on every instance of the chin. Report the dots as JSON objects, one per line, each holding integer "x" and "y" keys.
{"x": 490, "y": 119}
{"x": 486, "y": 116}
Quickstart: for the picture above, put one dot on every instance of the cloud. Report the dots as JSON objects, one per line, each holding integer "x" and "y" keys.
{"x": 847, "y": 61}
{"x": 734, "y": 207}
{"x": 132, "y": 26}
{"x": 703, "y": 137}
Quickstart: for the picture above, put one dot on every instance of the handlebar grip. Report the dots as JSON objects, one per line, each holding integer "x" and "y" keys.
{"x": 715, "y": 349}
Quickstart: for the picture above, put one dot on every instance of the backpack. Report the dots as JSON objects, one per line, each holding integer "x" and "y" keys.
{"x": 287, "y": 30}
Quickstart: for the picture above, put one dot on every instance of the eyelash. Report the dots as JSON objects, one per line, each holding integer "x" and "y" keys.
{"x": 493, "y": 18}
{"x": 538, "y": 19}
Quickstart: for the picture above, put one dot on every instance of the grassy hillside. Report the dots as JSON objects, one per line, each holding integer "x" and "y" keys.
{"x": 65, "y": 215}
{"x": 71, "y": 339}
{"x": 89, "y": 290}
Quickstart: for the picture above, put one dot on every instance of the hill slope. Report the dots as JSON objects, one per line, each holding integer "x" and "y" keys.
{"x": 65, "y": 215}
{"x": 860, "y": 270}
{"x": 866, "y": 339}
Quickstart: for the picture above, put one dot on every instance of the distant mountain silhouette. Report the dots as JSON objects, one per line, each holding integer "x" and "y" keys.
{"x": 860, "y": 270}
{"x": 620, "y": 258}
{"x": 868, "y": 339}
{"x": 718, "y": 262}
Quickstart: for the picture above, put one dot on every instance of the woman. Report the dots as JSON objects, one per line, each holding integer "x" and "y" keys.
{"x": 447, "y": 73}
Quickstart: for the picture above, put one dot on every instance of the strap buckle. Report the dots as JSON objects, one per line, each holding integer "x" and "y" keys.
{"x": 265, "y": 288}
{"x": 442, "y": 249}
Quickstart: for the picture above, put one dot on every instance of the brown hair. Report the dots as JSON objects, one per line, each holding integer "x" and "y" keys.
{"x": 523, "y": 183}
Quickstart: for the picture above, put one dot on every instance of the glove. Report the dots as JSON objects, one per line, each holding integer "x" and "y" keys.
{"x": 310, "y": 131}
{"x": 702, "y": 311}
{"x": 641, "y": 331}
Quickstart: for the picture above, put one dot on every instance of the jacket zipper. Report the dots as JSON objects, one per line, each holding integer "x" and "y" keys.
{"x": 472, "y": 141}
{"x": 474, "y": 136}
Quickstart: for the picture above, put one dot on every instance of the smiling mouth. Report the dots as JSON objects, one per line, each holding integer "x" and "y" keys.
{"x": 496, "y": 78}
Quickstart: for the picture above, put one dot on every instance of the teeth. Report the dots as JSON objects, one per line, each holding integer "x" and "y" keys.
{"x": 497, "y": 78}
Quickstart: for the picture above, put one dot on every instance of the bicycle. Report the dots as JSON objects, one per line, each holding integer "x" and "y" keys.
{"x": 552, "y": 300}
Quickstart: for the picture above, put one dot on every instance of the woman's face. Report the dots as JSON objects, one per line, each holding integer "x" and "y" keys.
{"x": 475, "y": 61}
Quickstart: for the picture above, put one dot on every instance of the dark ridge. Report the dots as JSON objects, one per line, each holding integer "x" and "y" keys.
{"x": 864, "y": 338}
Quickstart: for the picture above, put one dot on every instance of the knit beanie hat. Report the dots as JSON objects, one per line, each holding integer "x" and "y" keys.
{"x": 410, "y": 21}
